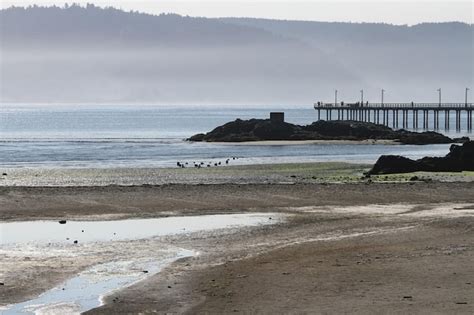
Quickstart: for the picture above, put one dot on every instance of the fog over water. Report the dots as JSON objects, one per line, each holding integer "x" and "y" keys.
{"x": 91, "y": 55}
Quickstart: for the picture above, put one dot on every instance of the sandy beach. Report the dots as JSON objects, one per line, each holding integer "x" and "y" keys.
{"x": 353, "y": 245}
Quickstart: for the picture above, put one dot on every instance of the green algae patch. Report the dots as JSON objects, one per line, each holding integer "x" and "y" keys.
{"x": 425, "y": 176}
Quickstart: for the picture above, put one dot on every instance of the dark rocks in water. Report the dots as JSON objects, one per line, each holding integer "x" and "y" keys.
{"x": 251, "y": 130}
{"x": 461, "y": 140}
{"x": 348, "y": 130}
{"x": 4, "y": 174}
{"x": 62, "y": 221}
{"x": 76, "y": 241}
{"x": 428, "y": 137}
{"x": 197, "y": 137}
{"x": 265, "y": 129}
{"x": 351, "y": 130}
{"x": 460, "y": 158}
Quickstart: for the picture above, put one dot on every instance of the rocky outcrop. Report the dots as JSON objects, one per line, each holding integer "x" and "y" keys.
{"x": 460, "y": 158}
{"x": 427, "y": 137}
{"x": 388, "y": 164}
{"x": 255, "y": 130}
{"x": 264, "y": 129}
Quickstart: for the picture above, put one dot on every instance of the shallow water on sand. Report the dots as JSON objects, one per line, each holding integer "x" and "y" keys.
{"x": 86, "y": 290}
{"x": 42, "y": 232}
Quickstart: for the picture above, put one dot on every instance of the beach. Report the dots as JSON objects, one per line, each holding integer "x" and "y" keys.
{"x": 338, "y": 242}
{"x": 180, "y": 157}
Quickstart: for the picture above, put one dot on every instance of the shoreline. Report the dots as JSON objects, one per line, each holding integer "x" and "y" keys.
{"x": 238, "y": 174}
{"x": 283, "y": 173}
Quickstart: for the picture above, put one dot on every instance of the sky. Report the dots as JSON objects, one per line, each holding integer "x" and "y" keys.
{"x": 386, "y": 11}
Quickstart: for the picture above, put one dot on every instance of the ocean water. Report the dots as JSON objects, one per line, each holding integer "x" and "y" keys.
{"x": 148, "y": 136}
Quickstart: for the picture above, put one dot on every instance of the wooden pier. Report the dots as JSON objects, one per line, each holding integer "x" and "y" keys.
{"x": 398, "y": 114}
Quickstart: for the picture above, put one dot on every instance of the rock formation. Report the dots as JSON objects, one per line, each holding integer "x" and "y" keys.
{"x": 460, "y": 158}
{"x": 264, "y": 129}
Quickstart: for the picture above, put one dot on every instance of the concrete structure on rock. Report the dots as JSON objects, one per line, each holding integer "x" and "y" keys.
{"x": 277, "y": 117}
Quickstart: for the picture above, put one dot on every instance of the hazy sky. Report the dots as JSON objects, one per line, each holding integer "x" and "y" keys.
{"x": 396, "y": 12}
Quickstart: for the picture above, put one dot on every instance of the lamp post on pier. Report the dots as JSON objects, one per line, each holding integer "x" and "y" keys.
{"x": 439, "y": 90}
{"x": 383, "y": 91}
{"x": 335, "y": 97}
{"x": 361, "y": 97}
{"x": 467, "y": 90}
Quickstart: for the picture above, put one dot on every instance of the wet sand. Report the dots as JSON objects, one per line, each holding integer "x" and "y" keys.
{"x": 114, "y": 202}
{"x": 324, "y": 262}
{"x": 357, "y": 247}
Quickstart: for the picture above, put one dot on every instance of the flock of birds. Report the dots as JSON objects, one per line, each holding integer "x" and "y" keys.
{"x": 202, "y": 164}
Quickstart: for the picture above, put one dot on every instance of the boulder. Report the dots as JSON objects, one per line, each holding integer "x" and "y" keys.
{"x": 461, "y": 140}
{"x": 460, "y": 158}
{"x": 388, "y": 164}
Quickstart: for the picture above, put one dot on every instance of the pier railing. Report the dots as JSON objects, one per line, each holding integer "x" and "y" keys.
{"x": 421, "y": 106}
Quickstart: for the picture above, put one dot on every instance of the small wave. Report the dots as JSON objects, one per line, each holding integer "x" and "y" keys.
{"x": 95, "y": 140}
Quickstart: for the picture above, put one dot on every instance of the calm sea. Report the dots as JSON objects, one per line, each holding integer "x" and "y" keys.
{"x": 145, "y": 136}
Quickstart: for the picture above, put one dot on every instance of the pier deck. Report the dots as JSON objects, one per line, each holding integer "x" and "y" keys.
{"x": 426, "y": 115}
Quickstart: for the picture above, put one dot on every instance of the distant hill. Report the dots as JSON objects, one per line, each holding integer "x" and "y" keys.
{"x": 429, "y": 53}
{"x": 91, "y": 25}
{"x": 93, "y": 55}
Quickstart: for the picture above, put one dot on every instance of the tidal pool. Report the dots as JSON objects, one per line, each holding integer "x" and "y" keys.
{"x": 103, "y": 231}
{"x": 87, "y": 289}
